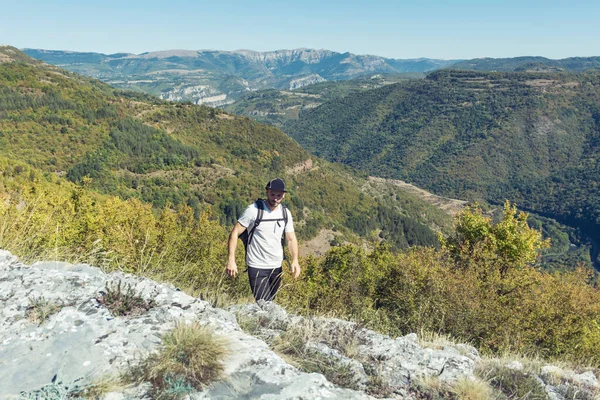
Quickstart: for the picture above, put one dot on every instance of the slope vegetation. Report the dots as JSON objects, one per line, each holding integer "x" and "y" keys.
{"x": 172, "y": 155}
{"x": 533, "y": 138}
{"x": 572, "y": 64}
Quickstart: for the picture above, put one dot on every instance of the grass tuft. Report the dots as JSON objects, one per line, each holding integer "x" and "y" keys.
{"x": 467, "y": 388}
{"x": 122, "y": 301}
{"x": 40, "y": 309}
{"x": 514, "y": 384}
{"x": 190, "y": 357}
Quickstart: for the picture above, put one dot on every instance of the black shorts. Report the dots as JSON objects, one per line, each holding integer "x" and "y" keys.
{"x": 264, "y": 282}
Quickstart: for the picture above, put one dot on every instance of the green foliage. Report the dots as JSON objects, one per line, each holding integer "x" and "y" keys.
{"x": 528, "y": 137}
{"x": 511, "y": 243}
{"x": 123, "y": 301}
{"x": 481, "y": 287}
{"x": 135, "y": 147}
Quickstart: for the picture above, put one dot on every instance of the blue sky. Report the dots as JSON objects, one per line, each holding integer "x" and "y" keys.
{"x": 396, "y": 29}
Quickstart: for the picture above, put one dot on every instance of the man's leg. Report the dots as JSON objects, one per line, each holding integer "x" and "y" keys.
{"x": 274, "y": 282}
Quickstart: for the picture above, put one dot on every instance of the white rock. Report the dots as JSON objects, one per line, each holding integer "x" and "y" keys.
{"x": 587, "y": 379}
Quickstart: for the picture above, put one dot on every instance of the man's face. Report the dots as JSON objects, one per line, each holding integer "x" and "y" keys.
{"x": 275, "y": 197}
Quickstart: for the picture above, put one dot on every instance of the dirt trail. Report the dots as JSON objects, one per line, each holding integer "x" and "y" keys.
{"x": 448, "y": 205}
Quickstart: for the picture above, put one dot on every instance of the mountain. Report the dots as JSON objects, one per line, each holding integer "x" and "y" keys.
{"x": 533, "y": 138}
{"x": 531, "y": 64}
{"x": 172, "y": 154}
{"x": 220, "y": 77}
{"x": 277, "y": 106}
{"x": 128, "y": 182}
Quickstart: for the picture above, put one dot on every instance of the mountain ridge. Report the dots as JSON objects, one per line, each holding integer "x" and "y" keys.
{"x": 217, "y": 77}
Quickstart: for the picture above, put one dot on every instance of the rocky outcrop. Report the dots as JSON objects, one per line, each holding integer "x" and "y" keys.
{"x": 371, "y": 357}
{"x": 83, "y": 340}
{"x": 305, "y": 81}
{"x": 80, "y": 340}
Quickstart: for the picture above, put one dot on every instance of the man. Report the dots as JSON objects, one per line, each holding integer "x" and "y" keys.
{"x": 264, "y": 252}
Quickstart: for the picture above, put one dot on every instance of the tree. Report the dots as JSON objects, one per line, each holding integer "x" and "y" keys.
{"x": 510, "y": 244}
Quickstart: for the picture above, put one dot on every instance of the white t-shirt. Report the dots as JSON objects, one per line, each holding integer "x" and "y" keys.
{"x": 265, "y": 249}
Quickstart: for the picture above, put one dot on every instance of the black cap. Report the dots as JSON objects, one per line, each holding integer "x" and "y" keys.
{"x": 276, "y": 184}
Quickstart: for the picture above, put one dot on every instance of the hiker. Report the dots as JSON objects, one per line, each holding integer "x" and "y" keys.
{"x": 264, "y": 243}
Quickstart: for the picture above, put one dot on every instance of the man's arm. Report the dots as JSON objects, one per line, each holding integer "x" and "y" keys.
{"x": 231, "y": 267}
{"x": 293, "y": 245}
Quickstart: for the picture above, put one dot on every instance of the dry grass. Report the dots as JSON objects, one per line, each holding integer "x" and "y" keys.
{"x": 190, "y": 357}
{"x": 291, "y": 345}
{"x": 101, "y": 386}
{"x": 436, "y": 340}
{"x": 40, "y": 309}
{"x": 512, "y": 383}
{"x": 466, "y": 388}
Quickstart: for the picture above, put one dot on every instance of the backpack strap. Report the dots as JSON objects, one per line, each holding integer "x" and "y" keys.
{"x": 247, "y": 235}
{"x": 260, "y": 204}
{"x": 285, "y": 221}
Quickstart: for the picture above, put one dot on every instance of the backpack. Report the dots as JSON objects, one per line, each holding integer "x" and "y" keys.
{"x": 247, "y": 235}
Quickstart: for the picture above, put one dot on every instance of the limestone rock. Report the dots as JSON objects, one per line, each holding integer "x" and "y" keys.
{"x": 78, "y": 340}
{"x": 82, "y": 340}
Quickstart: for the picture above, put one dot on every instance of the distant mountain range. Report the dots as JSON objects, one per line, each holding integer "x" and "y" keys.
{"x": 530, "y": 64}
{"x": 220, "y": 77}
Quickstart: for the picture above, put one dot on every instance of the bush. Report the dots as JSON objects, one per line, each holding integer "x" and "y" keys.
{"x": 481, "y": 287}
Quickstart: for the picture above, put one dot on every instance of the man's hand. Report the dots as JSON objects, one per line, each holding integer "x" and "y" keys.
{"x": 295, "y": 269}
{"x": 293, "y": 246}
{"x": 231, "y": 268}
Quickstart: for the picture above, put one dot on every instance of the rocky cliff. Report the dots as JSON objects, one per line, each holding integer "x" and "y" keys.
{"x": 80, "y": 341}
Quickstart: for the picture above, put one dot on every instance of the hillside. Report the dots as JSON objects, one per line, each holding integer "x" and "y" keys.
{"x": 131, "y": 145}
{"x": 130, "y": 183}
{"x": 78, "y": 344}
{"x": 529, "y": 137}
{"x": 220, "y": 77}
{"x": 530, "y": 64}
{"x": 277, "y": 107}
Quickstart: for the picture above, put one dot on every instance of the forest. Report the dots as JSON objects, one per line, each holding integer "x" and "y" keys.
{"x": 532, "y": 138}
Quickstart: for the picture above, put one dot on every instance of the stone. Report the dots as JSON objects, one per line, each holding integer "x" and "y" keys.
{"x": 587, "y": 379}
{"x": 83, "y": 341}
